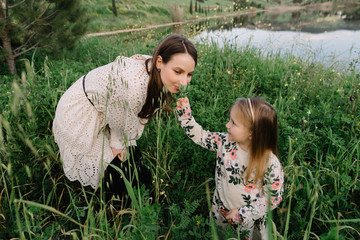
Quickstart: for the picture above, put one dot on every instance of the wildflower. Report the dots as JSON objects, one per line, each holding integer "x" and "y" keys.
{"x": 182, "y": 90}
{"x": 309, "y": 112}
{"x": 228, "y": 71}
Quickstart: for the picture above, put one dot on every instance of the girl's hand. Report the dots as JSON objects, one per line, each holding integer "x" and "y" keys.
{"x": 233, "y": 217}
{"x": 121, "y": 153}
{"x": 182, "y": 103}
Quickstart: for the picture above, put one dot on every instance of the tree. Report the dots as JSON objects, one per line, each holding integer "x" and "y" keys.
{"x": 191, "y": 7}
{"x": 114, "y": 8}
{"x": 26, "y": 25}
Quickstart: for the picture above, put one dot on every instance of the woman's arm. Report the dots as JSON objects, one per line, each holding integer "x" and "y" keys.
{"x": 125, "y": 93}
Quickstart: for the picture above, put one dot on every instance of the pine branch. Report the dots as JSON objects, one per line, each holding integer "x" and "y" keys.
{"x": 24, "y": 44}
{"x": 35, "y": 20}
{"x": 26, "y": 50}
{"x": 15, "y": 5}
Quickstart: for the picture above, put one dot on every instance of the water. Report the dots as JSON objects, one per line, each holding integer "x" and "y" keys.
{"x": 329, "y": 36}
{"x": 337, "y": 49}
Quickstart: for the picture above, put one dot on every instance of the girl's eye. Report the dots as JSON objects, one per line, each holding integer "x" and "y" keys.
{"x": 177, "y": 72}
{"x": 190, "y": 74}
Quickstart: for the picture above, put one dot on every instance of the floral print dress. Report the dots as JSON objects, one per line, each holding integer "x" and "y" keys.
{"x": 232, "y": 191}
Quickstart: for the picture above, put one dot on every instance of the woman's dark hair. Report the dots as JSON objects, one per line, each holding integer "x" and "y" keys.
{"x": 156, "y": 97}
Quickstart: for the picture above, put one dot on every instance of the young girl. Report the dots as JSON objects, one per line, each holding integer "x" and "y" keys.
{"x": 248, "y": 173}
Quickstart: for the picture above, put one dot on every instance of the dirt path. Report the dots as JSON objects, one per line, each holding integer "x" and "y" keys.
{"x": 170, "y": 24}
{"x": 278, "y": 9}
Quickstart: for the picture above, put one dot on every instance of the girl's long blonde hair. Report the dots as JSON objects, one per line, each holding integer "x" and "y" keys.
{"x": 261, "y": 119}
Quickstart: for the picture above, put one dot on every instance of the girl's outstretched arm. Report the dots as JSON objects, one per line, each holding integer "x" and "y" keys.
{"x": 210, "y": 140}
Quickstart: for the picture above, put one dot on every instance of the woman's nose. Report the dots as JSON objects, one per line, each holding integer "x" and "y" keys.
{"x": 183, "y": 81}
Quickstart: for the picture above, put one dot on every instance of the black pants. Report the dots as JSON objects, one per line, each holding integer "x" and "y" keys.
{"x": 113, "y": 181}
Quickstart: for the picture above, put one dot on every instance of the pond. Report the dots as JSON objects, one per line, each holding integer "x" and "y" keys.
{"x": 325, "y": 33}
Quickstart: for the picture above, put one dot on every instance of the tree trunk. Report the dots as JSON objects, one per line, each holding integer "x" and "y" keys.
{"x": 6, "y": 41}
{"x": 10, "y": 58}
{"x": 114, "y": 7}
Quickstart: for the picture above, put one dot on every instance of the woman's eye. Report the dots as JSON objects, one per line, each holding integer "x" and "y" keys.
{"x": 177, "y": 72}
{"x": 189, "y": 74}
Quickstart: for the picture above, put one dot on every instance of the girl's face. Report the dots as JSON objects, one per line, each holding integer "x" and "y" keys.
{"x": 177, "y": 71}
{"x": 238, "y": 131}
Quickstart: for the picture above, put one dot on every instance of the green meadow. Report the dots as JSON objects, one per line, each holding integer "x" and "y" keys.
{"x": 319, "y": 134}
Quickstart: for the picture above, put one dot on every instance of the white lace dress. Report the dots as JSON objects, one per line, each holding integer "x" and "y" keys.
{"x": 118, "y": 92}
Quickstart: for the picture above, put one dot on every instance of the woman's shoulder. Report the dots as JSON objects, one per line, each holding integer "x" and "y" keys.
{"x": 140, "y": 57}
{"x": 133, "y": 58}
{"x": 136, "y": 61}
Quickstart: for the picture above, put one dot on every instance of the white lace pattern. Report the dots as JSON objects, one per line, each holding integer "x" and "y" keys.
{"x": 118, "y": 92}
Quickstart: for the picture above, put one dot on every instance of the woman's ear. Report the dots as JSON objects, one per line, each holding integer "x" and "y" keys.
{"x": 158, "y": 61}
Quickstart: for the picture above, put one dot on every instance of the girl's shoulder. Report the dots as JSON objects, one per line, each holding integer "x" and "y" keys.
{"x": 274, "y": 161}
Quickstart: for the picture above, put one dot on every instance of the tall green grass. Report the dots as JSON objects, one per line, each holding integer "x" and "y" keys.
{"x": 319, "y": 133}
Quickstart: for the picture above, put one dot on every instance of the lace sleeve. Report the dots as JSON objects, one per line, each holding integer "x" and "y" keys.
{"x": 126, "y": 96}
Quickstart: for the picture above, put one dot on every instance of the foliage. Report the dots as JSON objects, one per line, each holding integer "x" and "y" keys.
{"x": 28, "y": 25}
{"x": 319, "y": 122}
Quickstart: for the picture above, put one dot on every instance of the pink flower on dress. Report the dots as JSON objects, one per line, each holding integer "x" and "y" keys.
{"x": 233, "y": 154}
{"x": 217, "y": 139}
{"x": 187, "y": 113}
{"x": 218, "y": 154}
{"x": 249, "y": 187}
{"x": 276, "y": 185}
{"x": 275, "y": 201}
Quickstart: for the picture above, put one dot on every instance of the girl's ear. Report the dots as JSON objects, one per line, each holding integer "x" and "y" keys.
{"x": 158, "y": 61}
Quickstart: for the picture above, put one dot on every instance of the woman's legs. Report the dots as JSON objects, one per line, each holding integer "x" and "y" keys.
{"x": 114, "y": 184}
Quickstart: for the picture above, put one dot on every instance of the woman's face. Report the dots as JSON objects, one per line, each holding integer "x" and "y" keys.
{"x": 177, "y": 71}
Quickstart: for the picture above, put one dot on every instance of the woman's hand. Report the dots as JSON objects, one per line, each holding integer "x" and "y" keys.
{"x": 233, "y": 217}
{"x": 182, "y": 103}
{"x": 121, "y": 153}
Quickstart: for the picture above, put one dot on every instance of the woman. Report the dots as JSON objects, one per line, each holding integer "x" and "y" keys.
{"x": 104, "y": 112}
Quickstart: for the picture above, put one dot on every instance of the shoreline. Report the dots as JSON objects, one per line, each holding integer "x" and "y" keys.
{"x": 276, "y": 9}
